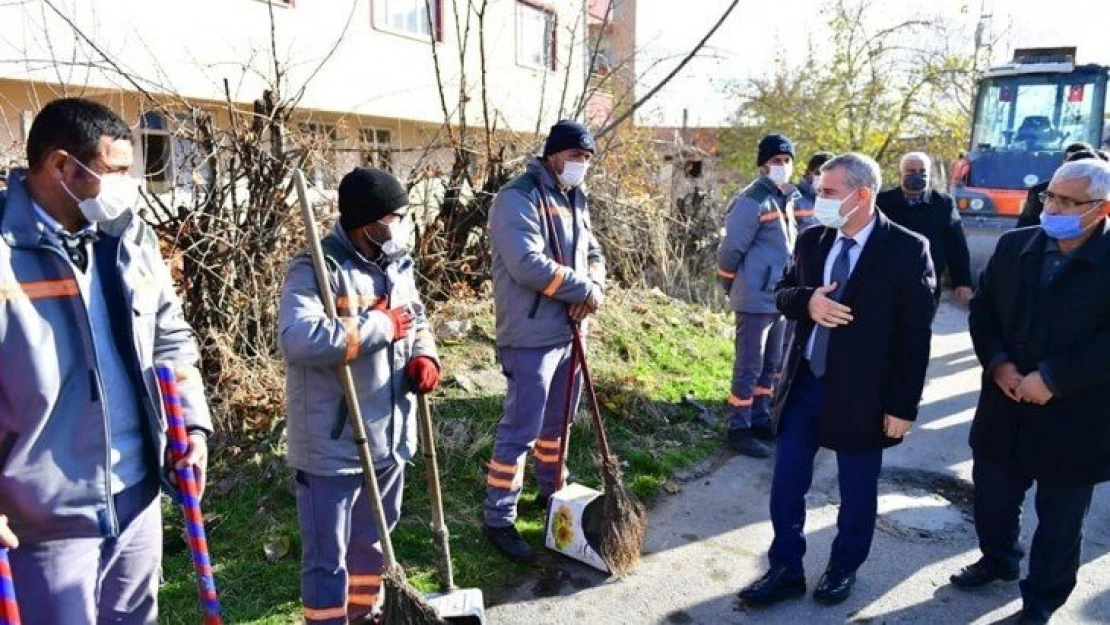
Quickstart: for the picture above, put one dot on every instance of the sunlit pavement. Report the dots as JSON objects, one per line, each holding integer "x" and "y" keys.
{"x": 709, "y": 540}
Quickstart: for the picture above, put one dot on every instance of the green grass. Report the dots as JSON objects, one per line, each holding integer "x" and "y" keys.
{"x": 646, "y": 352}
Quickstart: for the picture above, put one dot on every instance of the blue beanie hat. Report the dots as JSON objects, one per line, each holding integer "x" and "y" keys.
{"x": 568, "y": 135}
{"x": 771, "y": 146}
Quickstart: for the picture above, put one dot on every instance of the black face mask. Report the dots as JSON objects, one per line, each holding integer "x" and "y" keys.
{"x": 915, "y": 183}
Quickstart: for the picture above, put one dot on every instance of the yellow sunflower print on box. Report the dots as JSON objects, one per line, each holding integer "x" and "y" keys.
{"x": 563, "y": 527}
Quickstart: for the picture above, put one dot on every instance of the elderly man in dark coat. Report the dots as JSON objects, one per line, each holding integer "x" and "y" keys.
{"x": 1040, "y": 322}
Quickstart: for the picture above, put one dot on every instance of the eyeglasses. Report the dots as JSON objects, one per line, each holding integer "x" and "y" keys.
{"x": 1063, "y": 201}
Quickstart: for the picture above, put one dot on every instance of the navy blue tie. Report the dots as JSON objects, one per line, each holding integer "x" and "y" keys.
{"x": 841, "y": 271}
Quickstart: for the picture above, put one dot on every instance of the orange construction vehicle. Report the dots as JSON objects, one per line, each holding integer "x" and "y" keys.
{"x": 1026, "y": 113}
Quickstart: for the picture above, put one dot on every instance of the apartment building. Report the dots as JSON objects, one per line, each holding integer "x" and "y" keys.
{"x": 363, "y": 73}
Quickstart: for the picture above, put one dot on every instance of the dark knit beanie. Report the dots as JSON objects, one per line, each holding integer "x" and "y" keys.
{"x": 568, "y": 135}
{"x": 366, "y": 195}
{"x": 771, "y": 146}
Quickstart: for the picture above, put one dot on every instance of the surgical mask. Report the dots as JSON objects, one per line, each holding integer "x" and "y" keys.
{"x": 780, "y": 174}
{"x": 574, "y": 172}
{"x": 915, "y": 183}
{"x": 397, "y": 245}
{"x": 118, "y": 194}
{"x": 1066, "y": 227}
{"x": 827, "y": 212}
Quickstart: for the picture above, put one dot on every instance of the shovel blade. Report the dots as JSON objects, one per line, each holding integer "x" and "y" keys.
{"x": 464, "y": 606}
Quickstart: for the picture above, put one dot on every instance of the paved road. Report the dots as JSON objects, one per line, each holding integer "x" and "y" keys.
{"x": 710, "y": 539}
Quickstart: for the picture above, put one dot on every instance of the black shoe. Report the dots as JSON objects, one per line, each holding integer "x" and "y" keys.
{"x": 742, "y": 442}
{"x": 778, "y": 584}
{"x": 980, "y": 574}
{"x": 764, "y": 431}
{"x": 835, "y": 586}
{"x": 1033, "y": 616}
{"x": 508, "y": 541}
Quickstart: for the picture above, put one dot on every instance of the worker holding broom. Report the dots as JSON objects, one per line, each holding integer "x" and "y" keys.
{"x": 383, "y": 336}
{"x": 86, "y": 307}
{"x": 536, "y": 299}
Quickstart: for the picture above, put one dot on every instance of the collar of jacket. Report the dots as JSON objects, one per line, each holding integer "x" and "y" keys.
{"x": 786, "y": 191}
{"x": 355, "y": 252}
{"x": 1093, "y": 251}
{"x": 21, "y": 227}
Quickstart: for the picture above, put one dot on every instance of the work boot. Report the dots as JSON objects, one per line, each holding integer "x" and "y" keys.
{"x": 509, "y": 542}
{"x": 742, "y": 442}
{"x": 778, "y": 584}
{"x": 764, "y": 430}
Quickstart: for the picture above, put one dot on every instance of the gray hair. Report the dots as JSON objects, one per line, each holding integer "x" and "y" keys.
{"x": 920, "y": 156}
{"x": 1094, "y": 171}
{"x": 860, "y": 170}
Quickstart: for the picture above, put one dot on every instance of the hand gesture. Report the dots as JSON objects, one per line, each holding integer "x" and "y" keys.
{"x": 826, "y": 311}
{"x": 1032, "y": 389}
{"x": 1007, "y": 377}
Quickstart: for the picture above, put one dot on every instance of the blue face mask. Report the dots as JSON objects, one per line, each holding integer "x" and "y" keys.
{"x": 1065, "y": 227}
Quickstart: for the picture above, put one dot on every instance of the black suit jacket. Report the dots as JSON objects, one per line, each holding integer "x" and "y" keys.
{"x": 1033, "y": 207}
{"x": 938, "y": 220}
{"x": 1062, "y": 330}
{"x": 876, "y": 364}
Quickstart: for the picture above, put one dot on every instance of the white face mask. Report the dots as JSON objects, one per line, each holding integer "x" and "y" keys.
{"x": 780, "y": 174}
{"x": 397, "y": 245}
{"x": 118, "y": 194}
{"x": 574, "y": 172}
{"x": 827, "y": 212}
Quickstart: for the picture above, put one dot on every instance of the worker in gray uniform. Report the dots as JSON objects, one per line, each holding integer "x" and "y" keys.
{"x": 759, "y": 233}
{"x": 548, "y": 272}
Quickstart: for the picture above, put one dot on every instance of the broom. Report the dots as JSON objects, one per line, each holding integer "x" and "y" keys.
{"x": 403, "y": 605}
{"x": 9, "y": 609}
{"x": 190, "y": 496}
{"x": 624, "y": 521}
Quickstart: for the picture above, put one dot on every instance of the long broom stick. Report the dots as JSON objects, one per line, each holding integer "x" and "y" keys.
{"x": 190, "y": 496}
{"x": 9, "y": 609}
{"x": 624, "y": 522}
{"x": 403, "y": 604}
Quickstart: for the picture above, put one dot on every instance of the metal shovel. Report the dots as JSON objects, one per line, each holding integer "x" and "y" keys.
{"x": 464, "y": 606}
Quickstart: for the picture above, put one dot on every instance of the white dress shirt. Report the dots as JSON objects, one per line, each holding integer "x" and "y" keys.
{"x": 860, "y": 238}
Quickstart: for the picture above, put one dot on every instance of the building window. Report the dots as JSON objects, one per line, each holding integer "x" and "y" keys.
{"x": 410, "y": 17}
{"x": 535, "y": 32}
{"x": 157, "y": 155}
{"x": 376, "y": 148}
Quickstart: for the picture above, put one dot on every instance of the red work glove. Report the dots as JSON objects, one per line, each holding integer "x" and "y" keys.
{"x": 423, "y": 373}
{"x": 402, "y": 321}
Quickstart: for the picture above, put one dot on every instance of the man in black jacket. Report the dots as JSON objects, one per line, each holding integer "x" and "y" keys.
{"x": 1032, "y": 207}
{"x": 933, "y": 215}
{"x": 861, "y": 291}
{"x": 1040, "y": 322}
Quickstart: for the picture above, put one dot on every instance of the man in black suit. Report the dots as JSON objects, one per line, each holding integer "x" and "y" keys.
{"x": 861, "y": 291}
{"x": 933, "y": 215}
{"x": 1040, "y": 322}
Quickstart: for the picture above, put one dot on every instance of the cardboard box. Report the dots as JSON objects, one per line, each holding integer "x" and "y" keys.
{"x": 574, "y": 518}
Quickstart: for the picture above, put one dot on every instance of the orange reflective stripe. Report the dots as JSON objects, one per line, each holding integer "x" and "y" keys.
{"x": 771, "y": 216}
{"x": 324, "y": 614}
{"x": 502, "y": 468}
{"x": 364, "y": 580}
{"x": 803, "y": 212}
{"x": 355, "y": 303}
{"x": 369, "y": 599}
{"x": 764, "y": 390}
{"x": 544, "y": 443}
{"x": 350, "y": 324}
{"x": 725, "y": 274}
{"x": 497, "y": 483}
{"x": 546, "y": 458}
{"x": 556, "y": 282}
{"x": 39, "y": 289}
{"x": 740, "y": 403}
